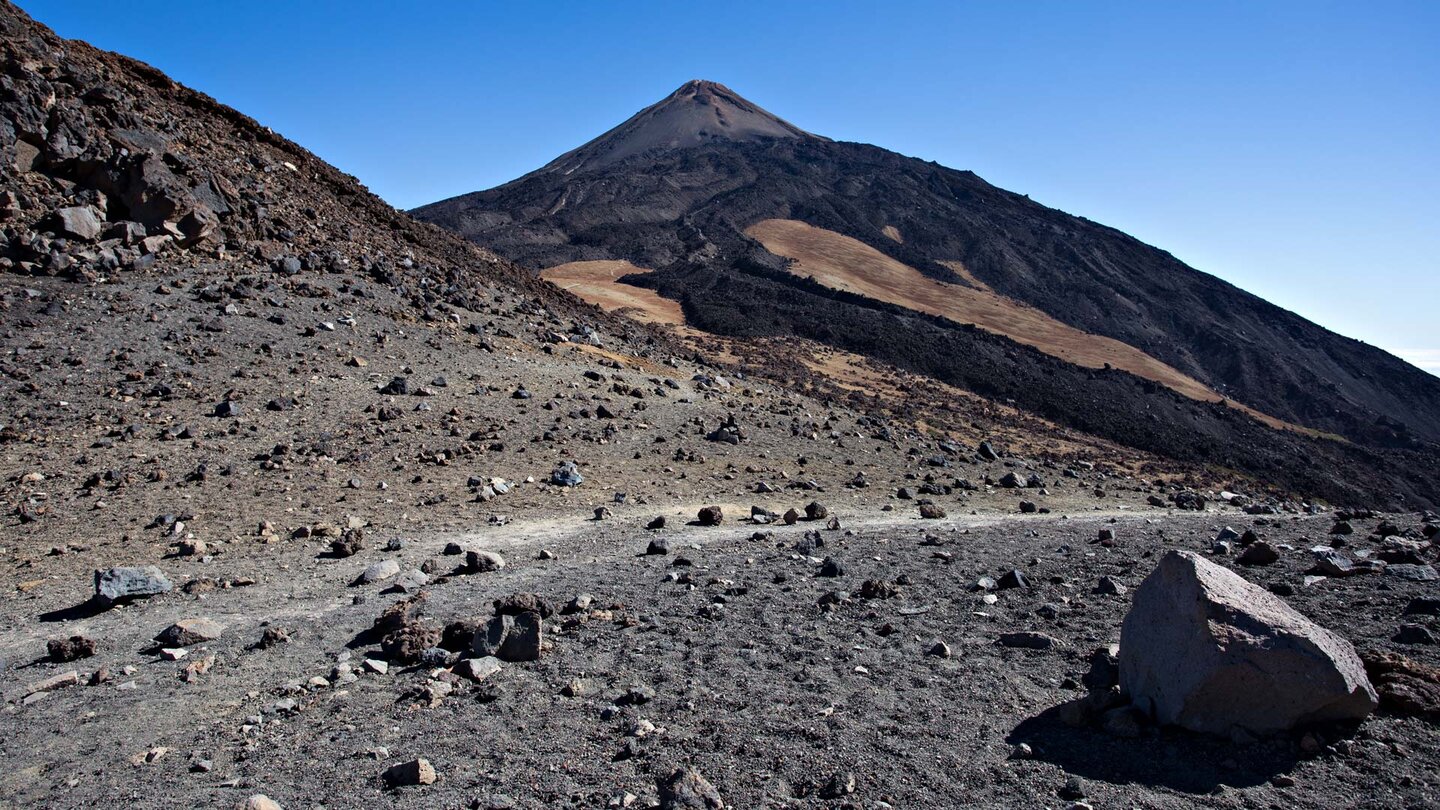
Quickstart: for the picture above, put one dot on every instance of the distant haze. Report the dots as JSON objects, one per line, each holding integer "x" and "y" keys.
{"x": 1288, "y": 147}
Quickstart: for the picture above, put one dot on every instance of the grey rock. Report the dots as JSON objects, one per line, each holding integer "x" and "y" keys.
{"x": 1414, "y": 634}
{"x": 382, "y": 570}
{"x": 190, "y": 631}
{"x": 481, "y": 562}
{"x": 1013, "y": 579}
{"x": 80, "y": 222}
{"x": 118, "y": 584}
{"x": 686, "y": 789}
{"x": 1110, "y": 586}
{"x": 1423, "y": 606}
{"x": 1203, "y": 649}
{"x": 1261, "y": 553}
{"x": 567, "y": 474}
{"x": 1332, "y": 563}
{"x": 1029, "y": 640}
{"x": 510, "y": 638}
{"x": 412, "y": 581}
{"x": 478, "y": 669}
{"x": 1414, "y": 573}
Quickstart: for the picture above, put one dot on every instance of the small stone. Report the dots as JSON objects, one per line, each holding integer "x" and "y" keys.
{"x": 1012, "y": 579}
{"x": 478, "y": 669}
{"x": 53, "y": 682}
{"x": 1414, "y": 634}
{"x": 380, "y": 571}
{"x": 711, "y": 516}
{"x": 566, "y": 474}
{"x": 939, "y": 650}
{"x": 414, "y": 772}
{"x": 79, "y": 222}
{"x": 1110, "y": 586}
{"x": 686, "y": 789}
{"x": 658, "y": 546}
{"x": 190, "y": 631}
{"x": 74, "y": 648}
{"x": 259, "y": 802}
{"x": 1260, "y": 553}
{"x": 579, "y": 604}
{"x": 481, "y": 562}
{"x": 1412, "y": 572}
{"x": 1029, "y": 640}
{"x": 511, "y": 638}
{"x": 838, "y": 786}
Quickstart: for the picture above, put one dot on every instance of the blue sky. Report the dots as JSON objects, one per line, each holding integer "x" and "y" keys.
{"x": 1292, "y": 148}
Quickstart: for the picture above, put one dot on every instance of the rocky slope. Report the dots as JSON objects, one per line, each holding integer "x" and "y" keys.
{"x": 353, "y": 447}
{"x": 683, "y": 212}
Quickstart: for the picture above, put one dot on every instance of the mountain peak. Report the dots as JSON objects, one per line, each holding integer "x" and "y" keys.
{"x": 697, "y": 113}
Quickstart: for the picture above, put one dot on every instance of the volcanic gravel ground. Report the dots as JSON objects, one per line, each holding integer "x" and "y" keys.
{"x": 774, "y": 699}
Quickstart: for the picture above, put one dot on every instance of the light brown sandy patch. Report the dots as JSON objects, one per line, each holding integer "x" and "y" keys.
{"x": 843, "y": 263}
{"x": 598, "y": 282}
{"x": 893, "y": 233}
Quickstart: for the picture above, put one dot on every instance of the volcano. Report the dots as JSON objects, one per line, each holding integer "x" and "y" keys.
{"x": 757, "y": 228}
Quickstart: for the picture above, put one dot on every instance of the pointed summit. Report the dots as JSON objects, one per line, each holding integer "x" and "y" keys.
{"x": 697, "y": 113}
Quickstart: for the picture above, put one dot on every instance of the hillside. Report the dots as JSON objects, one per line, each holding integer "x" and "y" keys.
{"x": 686, "y": 215}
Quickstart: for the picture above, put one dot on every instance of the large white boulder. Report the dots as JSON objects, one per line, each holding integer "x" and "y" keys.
{"x": 1206, "y": 650}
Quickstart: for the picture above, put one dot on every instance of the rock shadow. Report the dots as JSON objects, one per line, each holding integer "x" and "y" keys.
{"x": 84, "y": 610}
{"x": 1171, "y": 758}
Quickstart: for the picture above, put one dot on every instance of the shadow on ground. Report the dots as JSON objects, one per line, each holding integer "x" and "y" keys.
{"x": 1172, "y": 758}
{"x": 84, "y": 610}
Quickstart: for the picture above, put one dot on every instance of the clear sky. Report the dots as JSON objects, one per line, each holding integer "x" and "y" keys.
{"x": 1292, "y": 148}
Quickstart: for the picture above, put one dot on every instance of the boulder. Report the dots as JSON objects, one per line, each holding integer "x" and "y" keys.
{"x": 118, "y": 584}
{"x": 1208, "y": 651}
